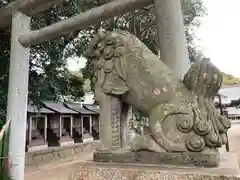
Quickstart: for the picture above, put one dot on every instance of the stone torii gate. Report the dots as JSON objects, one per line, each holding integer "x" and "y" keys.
{"x": 18, "y": 14}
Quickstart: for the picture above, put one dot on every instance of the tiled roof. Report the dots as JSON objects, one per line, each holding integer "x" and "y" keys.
{"x": 233, "y": 111}
{"x": 225, "y": 101}
{"x": 35, "y": 109}
{"x": 230, "y": 86}
{"x": 92, "y": 107}
{"x": 58, "y": 107}
{"x": 79, "y": 108}
{"x": 231, "y": 91}
{"x": 221, "y": 95}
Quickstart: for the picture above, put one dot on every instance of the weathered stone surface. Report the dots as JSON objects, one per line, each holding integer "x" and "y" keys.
{"x": 227, "y": 170}
{"x": 182, "y": 117}
{"x": 146, "y": 157}
{"x": 59, "y": 154}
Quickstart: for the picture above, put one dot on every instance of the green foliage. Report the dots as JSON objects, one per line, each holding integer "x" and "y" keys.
{"x": 192, "y": 10}
{"x": 4, "y": 68}
{"x": 141, "y": 23}
{"x": 4, "y": 148}
{"x": 230, "y": 79}
{"x": 140, "y": 121}
{"x": 49, "y": 78}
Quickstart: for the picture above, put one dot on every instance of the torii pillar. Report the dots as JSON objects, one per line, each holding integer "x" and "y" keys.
{"x": 171, "y": 34}
{"x": 18, "y": 95}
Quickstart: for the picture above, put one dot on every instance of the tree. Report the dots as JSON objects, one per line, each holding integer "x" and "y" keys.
{"x": 229, "y": 79}
{"x": 49, "y": 78}
{"x": 141, "y": 23}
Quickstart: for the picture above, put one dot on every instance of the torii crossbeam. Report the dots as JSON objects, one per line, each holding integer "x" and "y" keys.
{"x": 28, "y": 7}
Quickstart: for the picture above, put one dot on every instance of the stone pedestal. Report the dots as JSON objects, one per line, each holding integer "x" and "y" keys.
{"x": 87, "y": 137}
{"x": 37, "y": 147}
{"x": 66, "y": 143}
{"x": 228, "y": 170}
{"x": 208, "y": 159}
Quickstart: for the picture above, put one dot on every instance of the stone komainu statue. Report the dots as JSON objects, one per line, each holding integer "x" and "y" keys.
{"x": 182, "y": 117}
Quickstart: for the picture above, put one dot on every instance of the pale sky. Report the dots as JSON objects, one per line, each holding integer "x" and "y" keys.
{"x": 74, "y": 64}
{"x": 218, "y": 36}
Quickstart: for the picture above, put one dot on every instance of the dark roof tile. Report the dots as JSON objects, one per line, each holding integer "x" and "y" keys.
{"x": 35, "y": 109}
{"x": 79, "y": 108}
{"x": 58, "y": 107}
{"x": 92, "y": 107}
{"x": 232, "y": 92}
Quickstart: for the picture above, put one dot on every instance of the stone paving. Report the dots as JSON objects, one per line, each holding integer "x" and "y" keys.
{"x": 58, "y": 171}
{"x": 234, "y": 138}
{"x": 61, "y": 171}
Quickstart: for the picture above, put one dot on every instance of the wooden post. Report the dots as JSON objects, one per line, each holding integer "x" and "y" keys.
{"x": 172, "y": 40}
{"x": 98, "y": 118}
{"x": 30, "y": 129}
{"x": 45, "y": 128}
{"x": 222, "y": 113}
{"x": 82, "y": 124}
{"x": 227, "y": 144}
{"x": 71, "y": 126}
{"x": 90, "y": 124}
{"x": 17, "y": 96}
{"x": 60, "y": 127}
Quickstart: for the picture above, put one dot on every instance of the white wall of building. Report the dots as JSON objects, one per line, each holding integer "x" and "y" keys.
{"x": 88, "y": 98}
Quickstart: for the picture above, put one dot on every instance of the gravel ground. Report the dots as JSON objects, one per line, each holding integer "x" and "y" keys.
{"x": 58, "y": 171}
{"x": 234, "y": 139}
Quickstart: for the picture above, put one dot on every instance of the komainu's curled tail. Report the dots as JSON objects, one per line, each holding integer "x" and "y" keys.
{"x": 204, "y": 80}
